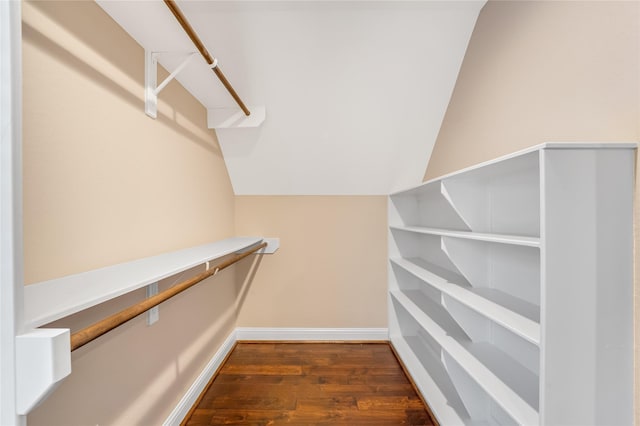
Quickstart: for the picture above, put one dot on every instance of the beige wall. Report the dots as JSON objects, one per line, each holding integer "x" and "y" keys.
{"x": 103, "y": 184}
{"x": 100, "y": 177}
{"x": 540, "y": 71}
{"x": 331, "y": 268}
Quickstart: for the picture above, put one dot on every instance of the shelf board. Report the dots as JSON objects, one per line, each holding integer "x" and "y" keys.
{"x": 521, "y": 380}
{"x": 505, "y": 162}
{"x": 511, "y": 313}
{"x": 492, "y": 238}
{"x": 434, "y": 383}
{"x": 436, "y": 325}
{"x": 429, "y": 272}
{"x": 48, "y": 301}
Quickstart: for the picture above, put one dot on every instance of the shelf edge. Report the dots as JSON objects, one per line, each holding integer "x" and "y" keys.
{"x": 476, "y": 236}
{"x": 36, "y": 316}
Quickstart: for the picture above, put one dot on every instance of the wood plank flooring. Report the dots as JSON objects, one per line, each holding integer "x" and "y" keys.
{"x": 310, "y": 384}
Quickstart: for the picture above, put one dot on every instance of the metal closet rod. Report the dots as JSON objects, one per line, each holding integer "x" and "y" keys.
{"x": 92, "y": 332}
{"x": 205, "y": 53}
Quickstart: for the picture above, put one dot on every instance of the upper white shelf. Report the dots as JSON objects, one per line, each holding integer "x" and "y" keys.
{"x": 492, "y": 238}
{"x": 499, "y": 164}
{"x": 50, "y": 300}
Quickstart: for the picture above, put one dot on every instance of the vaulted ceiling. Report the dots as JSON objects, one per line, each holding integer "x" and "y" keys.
{"x": 354, "y": 91}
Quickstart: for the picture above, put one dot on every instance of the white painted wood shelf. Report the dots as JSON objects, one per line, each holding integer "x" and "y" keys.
{"x": 510, "y": 287}
{"x": 50, "y": 300}
{"x": 493, "y": 238}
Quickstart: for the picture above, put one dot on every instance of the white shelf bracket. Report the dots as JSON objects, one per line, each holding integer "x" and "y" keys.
{"x": 153, "y": 314}
{"x": 232, "y": 118}
{"x": 273, "y": 244}
{"x": 151, "y": 88}
{"x": 43, "y": 359}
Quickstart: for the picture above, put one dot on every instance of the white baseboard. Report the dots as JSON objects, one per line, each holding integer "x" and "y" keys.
{"x": 265, "y": 333}
{"x": 316, "y": 334}
{"x": 182, "y": 409}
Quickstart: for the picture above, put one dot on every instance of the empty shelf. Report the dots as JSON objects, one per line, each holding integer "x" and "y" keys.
{"x": 513, "y": 314}
{"x": 437, "y": 325}
{"x": 493, "y": 238}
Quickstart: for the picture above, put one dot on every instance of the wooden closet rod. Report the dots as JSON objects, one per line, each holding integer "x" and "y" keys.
{"x": 92, "y": 332}
{"x": 205, "y": 53}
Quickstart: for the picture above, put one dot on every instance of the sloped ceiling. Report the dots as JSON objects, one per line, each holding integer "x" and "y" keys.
{"x": 354, "y": 91}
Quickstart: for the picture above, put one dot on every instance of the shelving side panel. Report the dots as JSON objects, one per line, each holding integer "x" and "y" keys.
{"x": 587, "y": 286}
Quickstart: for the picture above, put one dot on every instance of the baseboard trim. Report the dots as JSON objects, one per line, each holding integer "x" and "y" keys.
{"x": 312, "y": 334}
{"x": 189, "y": 399}
{"x": 266, "y": 333}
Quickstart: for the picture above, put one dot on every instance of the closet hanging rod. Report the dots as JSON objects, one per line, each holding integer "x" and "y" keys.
{"x": 213, "y": 62}
{"x": 92, "y": 332}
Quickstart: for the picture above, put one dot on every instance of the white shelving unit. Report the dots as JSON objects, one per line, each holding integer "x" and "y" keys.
{"x": 510, "y": 287}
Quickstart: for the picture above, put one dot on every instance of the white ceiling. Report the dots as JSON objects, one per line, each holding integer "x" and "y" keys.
{"x": 355, "y": 91}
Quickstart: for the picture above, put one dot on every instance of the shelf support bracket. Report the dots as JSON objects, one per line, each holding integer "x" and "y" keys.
{"x": 153, "y": 314}
{"x": 151, "y": 88}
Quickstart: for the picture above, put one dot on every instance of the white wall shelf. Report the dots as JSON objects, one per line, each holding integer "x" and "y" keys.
{"x": 494, "y": 238}
{"x": 50, "y": 300}
{"x": 510, "y": 287}
{"x": 44, "y": 354}
{"x": 435, "y": 381}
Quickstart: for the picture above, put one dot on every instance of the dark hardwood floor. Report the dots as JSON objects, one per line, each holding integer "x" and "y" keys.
{"x": 310, "y": 384}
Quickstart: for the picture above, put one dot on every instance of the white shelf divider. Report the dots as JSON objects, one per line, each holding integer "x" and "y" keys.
{"x": 503, "y": 395}
{"x": 444, "y": 191}
{"x": 50, "y": 300}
